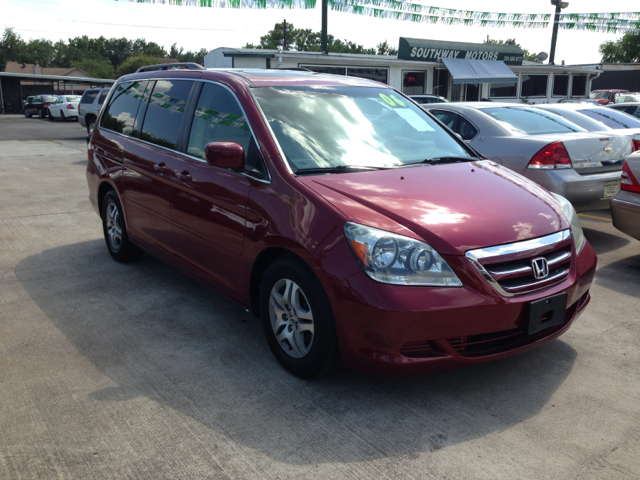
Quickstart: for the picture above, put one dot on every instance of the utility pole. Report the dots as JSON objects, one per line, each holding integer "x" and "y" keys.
{"x": 284, "y": 47}
{"x": 323, "y": 37}
{"x": 554, "y": 37}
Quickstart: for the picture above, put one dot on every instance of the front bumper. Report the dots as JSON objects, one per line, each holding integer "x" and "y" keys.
{"x": 585, "y": 192}
{"x": 402, "y": 330}
{"x": 625, "y": 212}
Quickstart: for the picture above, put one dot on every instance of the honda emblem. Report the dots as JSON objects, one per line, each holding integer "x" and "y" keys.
{"x": 540, "y": 268}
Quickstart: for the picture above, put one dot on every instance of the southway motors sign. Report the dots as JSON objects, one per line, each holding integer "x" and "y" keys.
{"x": 434, "y": 50}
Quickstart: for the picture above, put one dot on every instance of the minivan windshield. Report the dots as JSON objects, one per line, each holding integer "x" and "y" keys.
{"x": 329, "y": 127}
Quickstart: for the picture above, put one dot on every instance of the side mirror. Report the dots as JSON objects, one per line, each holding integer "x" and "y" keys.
{"x": 224, "y": 155}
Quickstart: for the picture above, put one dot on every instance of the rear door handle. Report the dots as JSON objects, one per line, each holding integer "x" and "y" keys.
{"x": 184, "y": 176}
{"x": 161, "y": 167}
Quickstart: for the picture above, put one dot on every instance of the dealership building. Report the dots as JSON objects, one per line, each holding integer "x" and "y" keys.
{"x": 455, "y": 70}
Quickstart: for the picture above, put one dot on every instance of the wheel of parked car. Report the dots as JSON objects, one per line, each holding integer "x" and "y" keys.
{"x": 51, "y": 118}
{"x": 27, "y": 113}
{"x": 297, "y": 319}
{"x": 42, "y": 113}
{"x": 115, "y": 231}
{"x": 62, "y": 117}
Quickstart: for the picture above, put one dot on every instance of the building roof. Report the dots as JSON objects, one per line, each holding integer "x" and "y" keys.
{"x": 33, "y": 69}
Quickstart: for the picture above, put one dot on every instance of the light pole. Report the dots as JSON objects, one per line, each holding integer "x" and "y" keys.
{"x": 554, "y": 37}
{"x": 323, "y": 35}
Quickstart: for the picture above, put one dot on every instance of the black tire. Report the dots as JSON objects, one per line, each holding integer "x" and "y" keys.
{"x": 51, "y": 117}
{"x": 27, "y": 113}
{"x": 42, "y": 113}
{"x": 62, "y": 117}
{"x": 323, "y": 354}
{"x": 90, "y": 124}
{"x": 115, "y": 231}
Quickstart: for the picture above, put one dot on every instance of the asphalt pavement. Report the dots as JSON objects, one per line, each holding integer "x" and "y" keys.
{"x": 138, "y": 371}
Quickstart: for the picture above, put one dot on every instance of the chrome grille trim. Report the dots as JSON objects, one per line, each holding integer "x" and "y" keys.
{"x": 475, "y": 256}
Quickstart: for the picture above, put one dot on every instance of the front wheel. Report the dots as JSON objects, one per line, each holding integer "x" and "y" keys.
{"x": 297, "y": 319}
{"x": 115, "y": 231}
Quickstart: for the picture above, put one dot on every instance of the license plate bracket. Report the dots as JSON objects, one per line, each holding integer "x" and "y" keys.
{"x": 546, "y": 313}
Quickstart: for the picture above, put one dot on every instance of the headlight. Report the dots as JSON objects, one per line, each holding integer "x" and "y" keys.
{"x": 390, "y": 258}
{"x": 574, "y": 221}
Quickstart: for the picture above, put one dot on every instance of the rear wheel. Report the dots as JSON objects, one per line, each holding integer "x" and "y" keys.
{"x": 115, "y": 231}
{"x": 27, "y": 113}
{"x": 62, "y": 117}
{"x": 297, "y": 319}
{"x": 51, "y": 117}
{"x": 42, "y": 113}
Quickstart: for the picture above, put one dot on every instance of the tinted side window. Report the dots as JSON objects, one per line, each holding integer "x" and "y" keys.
{"x": 466, "y": 130}
{"x": 103, "y": 95}
{"x": 165, "y": 112}
{"x": 448, "y": 118}
{"x": 89, "y": 96}
{"x": 218, "y": 118}
{"x": 122, "y": 108}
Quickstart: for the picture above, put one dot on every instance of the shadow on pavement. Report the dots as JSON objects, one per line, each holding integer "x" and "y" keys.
{"x": 158, "y": 334}
{"x": 622, "y": 276}
{"x": 603, "y": 242}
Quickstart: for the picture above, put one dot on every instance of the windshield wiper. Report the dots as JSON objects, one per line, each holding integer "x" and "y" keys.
{"x": 336, "y": 169}
{"x": 438, "y": 160}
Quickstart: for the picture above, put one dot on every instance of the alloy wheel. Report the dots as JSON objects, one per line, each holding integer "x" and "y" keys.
{"x": 114, "y": 227}
{"x": 291, "y": 318}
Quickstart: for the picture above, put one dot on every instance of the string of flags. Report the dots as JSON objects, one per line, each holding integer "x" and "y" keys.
{"x": 413, "y": 11}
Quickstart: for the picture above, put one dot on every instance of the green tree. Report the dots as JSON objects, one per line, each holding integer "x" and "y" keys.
{"x": 12, "y": 47}
{"x": 383, "y": 48}
{"x": 530, "y": 56}
{"x": 623, "y": 50}
{"x": 99, "y": 68}
{"x": 130, "y": 65}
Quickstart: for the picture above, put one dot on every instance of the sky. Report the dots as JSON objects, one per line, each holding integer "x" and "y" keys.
{"x": 194, "y": 28}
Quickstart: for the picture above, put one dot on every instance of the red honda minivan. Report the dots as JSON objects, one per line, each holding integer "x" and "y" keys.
{"x": 354, "y": 224}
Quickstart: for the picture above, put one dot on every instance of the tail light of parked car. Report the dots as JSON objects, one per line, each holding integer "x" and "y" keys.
{"x": 628, "y": 182}
{"x": 46, "y": 104}
{"x": 70, "y": 107}
{"x": 635, "y": 142}
{"x": 551, "y": 156}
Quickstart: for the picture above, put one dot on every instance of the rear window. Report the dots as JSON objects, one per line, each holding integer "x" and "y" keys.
{"x": 529, "y": 121}
{"x": 89, "y": 96}
{"x": 611, "y": 118}
{"x": 49, "y": 98}
{"x": 73, "y": 98}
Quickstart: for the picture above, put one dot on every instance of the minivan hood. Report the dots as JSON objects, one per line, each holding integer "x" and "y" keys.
{"x": 453, "y": 207}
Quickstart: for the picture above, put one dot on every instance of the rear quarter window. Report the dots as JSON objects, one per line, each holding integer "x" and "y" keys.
{"x": 89, "y": 96}
{"x": 123, "y": 107}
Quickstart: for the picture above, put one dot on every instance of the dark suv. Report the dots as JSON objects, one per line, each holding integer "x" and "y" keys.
{"x": 350, "y": 220}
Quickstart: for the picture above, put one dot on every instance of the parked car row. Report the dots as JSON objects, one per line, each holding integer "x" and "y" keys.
{"x": 64, "y": 107}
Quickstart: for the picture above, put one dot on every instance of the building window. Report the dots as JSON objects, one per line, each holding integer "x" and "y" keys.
{"x": 534, "y": 85}
{"x": 441, "y": 82}
{"x": 560, "y": 85}
{"x": 377, "y": 74}
{"x": 413, "y": 83}
{"x": 579, "y": 88}
{"x": 326, "y": 69}
{"x": 503, "y": 90}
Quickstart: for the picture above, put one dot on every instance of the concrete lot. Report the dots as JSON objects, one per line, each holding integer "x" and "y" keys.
{"x": 136, "y": 371}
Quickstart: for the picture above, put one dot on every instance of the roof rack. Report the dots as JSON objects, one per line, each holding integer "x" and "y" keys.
{"x": 300, "y": 69}
{"x": 169, "y": 66}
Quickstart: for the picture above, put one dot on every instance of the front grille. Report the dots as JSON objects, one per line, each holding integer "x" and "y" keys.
{"x": 509, "y": 268}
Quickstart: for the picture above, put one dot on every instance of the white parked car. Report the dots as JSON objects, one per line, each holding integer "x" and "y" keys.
{"x": 65, "y": 107}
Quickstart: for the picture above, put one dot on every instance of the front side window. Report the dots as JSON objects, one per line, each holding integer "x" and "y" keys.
{"x": 611, "y": 118}
{"x": 329, "y": 127}
{"x": 123, "y": 106}
{"x": 530, "y": 121}
{"x": 534, "y": 85}
{"x": 165, "y": 112}
{"x": 219, "y": 118}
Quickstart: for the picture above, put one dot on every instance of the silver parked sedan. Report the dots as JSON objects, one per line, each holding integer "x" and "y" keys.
{"x": 561, "y": 156}
{"x": 625, "y": 206}
{"x": 597, "y": 118}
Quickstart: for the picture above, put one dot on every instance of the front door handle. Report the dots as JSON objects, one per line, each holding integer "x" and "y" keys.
{"x": 184, "y": 176}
